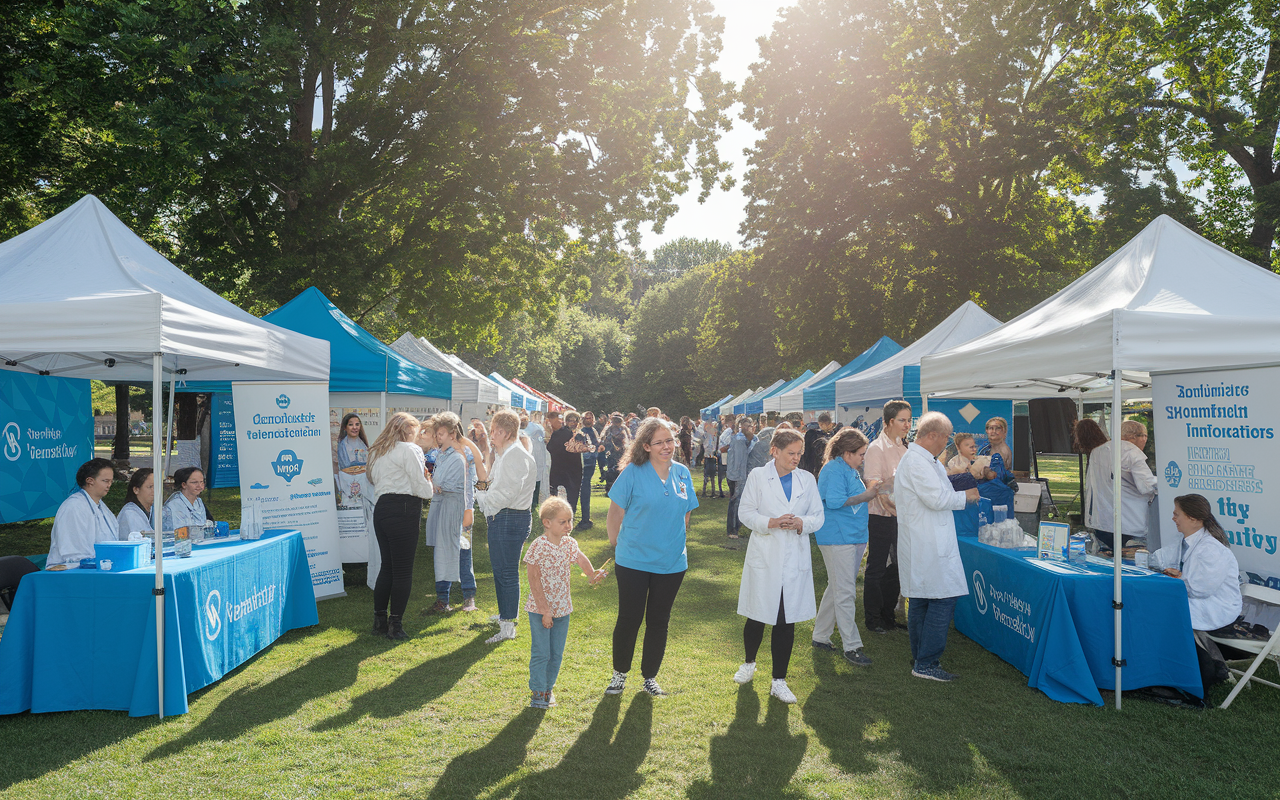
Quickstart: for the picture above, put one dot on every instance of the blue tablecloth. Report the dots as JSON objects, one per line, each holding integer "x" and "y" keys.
{"x": 1059, "y": 629}
{"x": 84, "y": 639}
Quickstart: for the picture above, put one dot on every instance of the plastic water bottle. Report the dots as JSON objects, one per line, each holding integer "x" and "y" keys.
{"x": 1002, "y": 513}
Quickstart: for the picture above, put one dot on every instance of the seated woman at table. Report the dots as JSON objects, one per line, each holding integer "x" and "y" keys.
{"x": 184, "y": 506}
{"x": 1203, "y": 561}
{"x": 139, "y": 498}
{"x": 83, "y": 519}
{"x": 353, "y": 450}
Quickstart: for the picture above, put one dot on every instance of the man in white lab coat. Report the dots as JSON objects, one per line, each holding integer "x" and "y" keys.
{"x": 929, "y": 567}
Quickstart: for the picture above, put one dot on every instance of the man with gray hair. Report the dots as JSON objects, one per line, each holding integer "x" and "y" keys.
{"x": 929, "y": 567}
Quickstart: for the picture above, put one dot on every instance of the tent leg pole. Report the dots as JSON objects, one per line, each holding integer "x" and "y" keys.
{"x": 157, "y": 523}
{"x": 1117, "y": 414}
{"x": 924, "y": 404}
{"x": 168, "y": 439}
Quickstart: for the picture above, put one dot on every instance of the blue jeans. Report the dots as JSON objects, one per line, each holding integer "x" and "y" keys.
{"x": 465, "y": 572}
{"x": 546, "y": 649}
{"x": 588, "y": 472}
{"x": 735, "y": 500}
{"x": 507, "y": 531}
{"x": 927, "y": 622}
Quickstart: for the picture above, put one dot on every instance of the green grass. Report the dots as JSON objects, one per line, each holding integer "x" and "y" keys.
{"x": 333, "y": 712}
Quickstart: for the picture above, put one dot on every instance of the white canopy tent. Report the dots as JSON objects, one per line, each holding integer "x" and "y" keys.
{"x": 727, "y": 408}
{"x": 1168, "y": 300}
{"x": 794, "y": 399}
{"x": 469, "y": 386}
{"x": 896, "y": 376}
{"x": 85, "y": 297}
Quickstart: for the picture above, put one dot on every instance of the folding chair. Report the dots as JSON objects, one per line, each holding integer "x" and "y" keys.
{"x": 1262, "y": 650}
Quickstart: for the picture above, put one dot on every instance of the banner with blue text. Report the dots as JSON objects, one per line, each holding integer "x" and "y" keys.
{"x": 283, "y": 453}
{"x": 46, "y": 433}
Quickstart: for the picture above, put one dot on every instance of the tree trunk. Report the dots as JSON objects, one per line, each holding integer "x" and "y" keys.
{"x": 120, "y": 445}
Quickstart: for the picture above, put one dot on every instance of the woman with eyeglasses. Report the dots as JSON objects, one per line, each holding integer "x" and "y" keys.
{"x": 83, "y": 519}
{"x": 649, "y": 507}
{"x": 184, "y": 506}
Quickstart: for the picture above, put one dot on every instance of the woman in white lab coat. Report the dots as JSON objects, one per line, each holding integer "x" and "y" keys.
{"x": 781, "y": 506}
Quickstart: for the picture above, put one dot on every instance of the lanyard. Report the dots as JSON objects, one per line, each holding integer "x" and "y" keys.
{"x": 97, "y": 511}
{"x": 1185, "y": 557}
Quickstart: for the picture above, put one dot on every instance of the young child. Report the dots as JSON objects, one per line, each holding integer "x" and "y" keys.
{"x": 549, "y": 560}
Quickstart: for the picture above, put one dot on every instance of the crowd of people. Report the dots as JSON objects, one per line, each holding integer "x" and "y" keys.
{"x": 889, "y": 501}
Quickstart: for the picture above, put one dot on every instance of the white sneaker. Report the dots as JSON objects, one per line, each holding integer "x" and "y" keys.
{"x": 616, "y": 683}
{"x": 779, "y": 690}
{"x": 745, "y": 673}
{"x": 506, "y": 630}
{"x": 495, "y": 618}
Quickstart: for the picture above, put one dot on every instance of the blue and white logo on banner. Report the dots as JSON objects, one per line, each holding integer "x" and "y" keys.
{"x": 1172, "y": 474}
{"x": 213, "y": 615}
{"x": 46, "y": 433}
{"x": 979, "y": 592}
{"x": 287, "y": 465}
{"x": 283, "y": 400}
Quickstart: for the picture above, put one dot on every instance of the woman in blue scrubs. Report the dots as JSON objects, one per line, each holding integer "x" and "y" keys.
{"x": 649, "y": 509}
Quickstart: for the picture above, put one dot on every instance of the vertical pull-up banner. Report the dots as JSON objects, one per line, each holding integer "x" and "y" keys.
{"x": 285, "y": 466}
{"x": 46, "y": 433}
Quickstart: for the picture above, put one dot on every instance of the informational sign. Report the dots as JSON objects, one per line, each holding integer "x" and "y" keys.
{"x": 1216, "y": 436}
{"x": 46, "y": 433}
{"x": 285, "y": 467}
{"x": 971, "y": 416}
{"x": 223, "y": 466}
{"x": 1053, "y": 540}
{"x": 355, "y": 515}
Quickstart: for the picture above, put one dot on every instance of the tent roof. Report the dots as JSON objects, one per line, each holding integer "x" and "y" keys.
{"x": 778, "y": 401}
{"x": 469, "y": 386}
{"x": 1167, "y": 300}
{"x": 821, "y": 395}
{"x": 758, "y": 396}
{"x": 81, "y": 287}
{"x": 519, "y": 397}
{"x": 560, "y": 401}
{"x": 756, "y": 404}
{"x": 898, "y": 375}
{"x": 727, "y": 408}
{"x": 529, "y": 391}
{"x": 710, "y": 412}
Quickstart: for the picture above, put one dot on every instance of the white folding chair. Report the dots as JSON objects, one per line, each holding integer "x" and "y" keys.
{"x": 1261, "y": 650}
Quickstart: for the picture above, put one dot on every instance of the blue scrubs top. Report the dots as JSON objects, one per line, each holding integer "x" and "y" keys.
{"x": 843, "y": 524}
{"x": 652, "y": 537}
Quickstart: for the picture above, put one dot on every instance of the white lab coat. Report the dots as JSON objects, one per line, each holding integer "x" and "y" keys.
{"x": 778, "y": 561}
{"x": 79, "y": 524}
{"x": 1212, "y": 577}
{"x": 928, "y": 554}
{"x": 132, "y": 518}
{"x": 1137, "y": 490}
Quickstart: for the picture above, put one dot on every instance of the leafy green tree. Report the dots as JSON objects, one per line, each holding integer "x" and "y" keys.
{"x": 674, "y": 259}
{"x": 737, "y": 344}
{"x": 658, "y": 368}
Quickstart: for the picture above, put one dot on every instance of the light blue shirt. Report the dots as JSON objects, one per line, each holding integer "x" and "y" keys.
{"x": 352, "y": 452}
{"x": 178, "y": 512}
{"x": 837, "y": 482}
{"x": 652, "y": 537}
{"x": 739, "y": 447}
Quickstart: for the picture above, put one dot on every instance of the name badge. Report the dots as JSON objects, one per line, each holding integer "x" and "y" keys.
{"x": 682, "y": 490}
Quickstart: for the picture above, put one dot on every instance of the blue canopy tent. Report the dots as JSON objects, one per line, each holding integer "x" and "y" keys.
{"x": 758, "y": 395}
{"x": 822, "y": 396}
{"x": 519, "y": 397}
{"x": 712, "y": 412}
{"x": 756, "y": 404}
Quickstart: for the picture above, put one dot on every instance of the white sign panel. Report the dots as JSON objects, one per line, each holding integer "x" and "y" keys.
{"x": 1216, "y": 437}
{"x": 286, "y": 467}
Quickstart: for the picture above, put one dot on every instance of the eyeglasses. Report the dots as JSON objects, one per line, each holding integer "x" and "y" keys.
{"x": 662, "y": 442}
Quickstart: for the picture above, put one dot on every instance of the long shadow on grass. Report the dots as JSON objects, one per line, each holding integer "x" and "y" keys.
{"x": 474, "y": 772}
{"x": 281, "y": 697}
{"x": 601, "y": 764}
{"x": 753, "y": 759}
{"x": 38, "y": 744}
{"x": 414, "y": 688}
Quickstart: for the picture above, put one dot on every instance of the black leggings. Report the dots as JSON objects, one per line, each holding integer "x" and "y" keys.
{"x": 642, "y": 594}
{"x": 396, "y": 520}
{"x": 780, "y": 642}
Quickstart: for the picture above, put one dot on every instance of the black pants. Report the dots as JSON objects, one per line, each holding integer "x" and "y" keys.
{"x": 780, "y": 642}
{"x": 735, "y": 499}
{"x": 572, "y": 483}
{"x": 397, "y": 519}
{"x": 643, "y": 594}
{"x": 880, "y": 587}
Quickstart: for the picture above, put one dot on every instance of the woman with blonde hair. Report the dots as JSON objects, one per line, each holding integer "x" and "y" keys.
{"x": 446, "y": 518}
{"x": 398, "y": 472}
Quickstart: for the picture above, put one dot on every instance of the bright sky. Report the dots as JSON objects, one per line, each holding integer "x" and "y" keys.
{"x": 722, "y": 213}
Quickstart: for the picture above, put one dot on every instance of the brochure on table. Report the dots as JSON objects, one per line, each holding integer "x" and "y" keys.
{"x": 286, "y": 468}
{"x": 1054, "y": 538}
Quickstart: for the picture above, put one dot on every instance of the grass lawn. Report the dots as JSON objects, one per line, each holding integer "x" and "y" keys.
{"x": 333, "y": 712}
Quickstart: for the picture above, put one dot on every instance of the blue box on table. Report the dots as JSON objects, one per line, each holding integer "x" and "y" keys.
{"x": 123, "y": 555}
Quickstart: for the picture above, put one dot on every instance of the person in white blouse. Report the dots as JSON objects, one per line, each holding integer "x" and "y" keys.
{"x": 184, "y": 507}
{"x": 781, "y": 506}
{"x": 1203, "y": 561}
{"x": 398, "y": 472}
{"x": 505, "y": 502}
{"x": 929, "y": 568}
{"x": 139, "y": 501}
{"x": 83, "y": 519}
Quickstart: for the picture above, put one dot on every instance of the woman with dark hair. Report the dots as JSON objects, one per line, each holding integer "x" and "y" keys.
{"x": 184, "y": 506}
{"x": 139, "y": 499}
{"x": 781, "y": 506}
{"x": 353, "y": 449}
{"x": 842, "y": 541}
{"x": 649, "y": 507}
{"x": 1203, "y": 561}
{"x": 83, "y": 519}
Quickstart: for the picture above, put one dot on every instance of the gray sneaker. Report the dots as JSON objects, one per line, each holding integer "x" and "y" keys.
{"x": 857, "y": 657}
{"x": 616, "y": 683}
{"x": 934, "y": 673}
